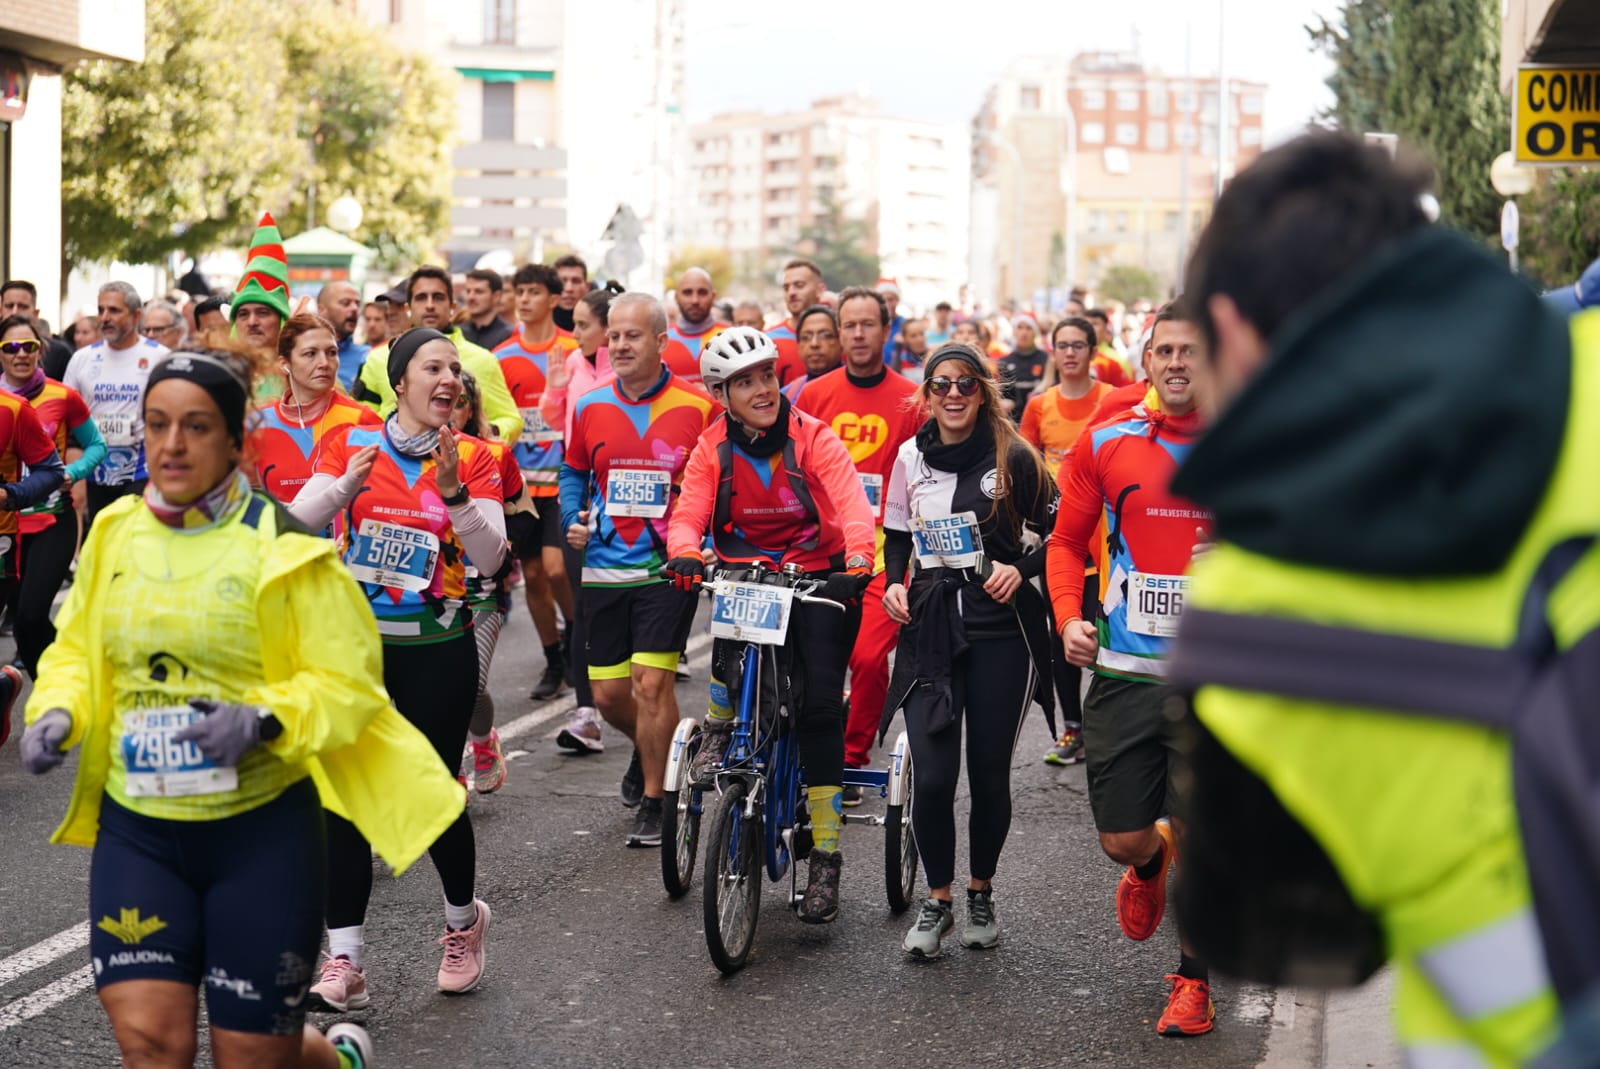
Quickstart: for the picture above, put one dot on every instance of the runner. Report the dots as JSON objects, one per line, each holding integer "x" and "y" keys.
{"x": 260, "y": 303}
{"x": 749, "y": 314}
{"x": 873, "y": 413}
{"x": 889, "y": 290}
{"x": 208, "y": 873}
{"x": 525, "y": 359}
{"x": 820, "y": 348}
{"x": 574, "y": 275}
{"x": 1132, "y": 731}
{"x": 774, "y": 485}
{"x": 630, "y": 441}
{"x": 968, "y": 498}
{"x": 584, "y": 370}
{"x": 110, "y": 375}
{"x": 1022, "y": 369}
{"x": 286, "y": 441}
{"x": 416, "y": 501}
{"x": 912, "y": 352}
{"x": 802, "y": 288}
{"x": 695, "y": 326}
{"x": 1053, "y": 422}
{"x": 48, "y": 530}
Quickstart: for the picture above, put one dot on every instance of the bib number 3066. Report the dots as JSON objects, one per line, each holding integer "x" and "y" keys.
{"x": 1155, "y": 603}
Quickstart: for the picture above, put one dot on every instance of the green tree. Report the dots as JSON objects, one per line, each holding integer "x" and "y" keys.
{"x": 1561, "y": 225}
{"x": 841, "y": 247}
{"x": 1427, "y": 70}
{"x": 1127, "y": 284}
{"x": 718, "y": 263}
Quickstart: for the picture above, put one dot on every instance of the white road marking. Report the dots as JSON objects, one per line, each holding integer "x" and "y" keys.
{"x": 44, "y": 952}
{"x": 46, "y": 998}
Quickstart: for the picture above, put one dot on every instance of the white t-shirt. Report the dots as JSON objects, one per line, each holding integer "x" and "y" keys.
{"x": 112, "y": 384}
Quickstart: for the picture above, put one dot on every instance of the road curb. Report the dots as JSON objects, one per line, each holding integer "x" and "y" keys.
{"x": 1334, "y": 1030}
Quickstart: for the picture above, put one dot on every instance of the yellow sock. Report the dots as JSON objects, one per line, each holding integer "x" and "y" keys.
{"x": 827, "y": 816}
{"x": 720, "y": 706}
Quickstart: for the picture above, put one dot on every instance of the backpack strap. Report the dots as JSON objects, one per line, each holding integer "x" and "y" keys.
{"x": 730, "y": 546}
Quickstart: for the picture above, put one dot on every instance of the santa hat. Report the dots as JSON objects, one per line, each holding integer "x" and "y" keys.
{"x": 888, "y": 285}
{"x": 1025, "y": 317}
{"x": 266, "y": 271}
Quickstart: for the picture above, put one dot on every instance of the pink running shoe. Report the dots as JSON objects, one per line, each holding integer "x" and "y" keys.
{"x": 342, "y": 986}
{"x": 464, "y": 957}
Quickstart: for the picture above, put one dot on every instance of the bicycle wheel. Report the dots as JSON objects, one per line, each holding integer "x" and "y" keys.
{"x": 680, "y": 817}
{"x": 732, "y": 884}
{"x": 899, "y": 844}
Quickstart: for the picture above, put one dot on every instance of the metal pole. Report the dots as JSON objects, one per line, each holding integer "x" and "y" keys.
{"x": 1183, "y": 161}
{"x": 1072, "y": 195}
{"x": 1223, "y": 102}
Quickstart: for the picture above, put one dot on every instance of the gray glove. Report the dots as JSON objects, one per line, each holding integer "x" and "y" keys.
{"x": 41, "y": 743}
{"x": 227, "y": 733}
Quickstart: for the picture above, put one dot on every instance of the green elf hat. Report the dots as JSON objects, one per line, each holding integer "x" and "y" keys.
{"x": 266, "y": 272}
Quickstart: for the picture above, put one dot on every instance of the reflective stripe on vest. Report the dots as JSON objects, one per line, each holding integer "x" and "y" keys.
{"x": 1494, "y": 968}
{"x": 1444, "y": 1056}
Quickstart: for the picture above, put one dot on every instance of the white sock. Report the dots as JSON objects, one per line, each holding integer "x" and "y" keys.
{"x": 347, "y": 943}
{"x": 481, "y": 740}
{"x": 461, "y": 917}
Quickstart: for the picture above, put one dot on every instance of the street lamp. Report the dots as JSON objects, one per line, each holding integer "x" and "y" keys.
{"x": 1510, "y": 181}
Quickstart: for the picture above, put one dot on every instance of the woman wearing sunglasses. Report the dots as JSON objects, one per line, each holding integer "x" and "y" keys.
{"x": 48, "y": 530}
{"x": 970, "y": 503}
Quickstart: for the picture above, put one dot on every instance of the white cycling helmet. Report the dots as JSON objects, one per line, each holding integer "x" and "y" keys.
{"x": 733, "y": 350}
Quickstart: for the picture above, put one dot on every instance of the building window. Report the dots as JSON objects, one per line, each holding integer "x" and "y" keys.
{"x": 1122, "y": 222}
{"x": 499, "y": 111}
{"x": 1094, "y": 100}
{"x": 1250, "y": 136}
{"x": 1097, "y": 221}
{"x": 500, "y": 22}
{"x": 1127, "y": 133}
{"x": 1127, "y": 100}
{"x": 1186, "y": 103}
{"x": 1155, "y": 137}
{"x": 1169, "y": 222}
{"x": 1158, "y": 100}
{"x": 395, "y": 13}
{"x": 1094, "y": 133}
{"x": 1184, "y": 135}
{"x": 1250, "y": 104}
{"x": 1028, "y": 99}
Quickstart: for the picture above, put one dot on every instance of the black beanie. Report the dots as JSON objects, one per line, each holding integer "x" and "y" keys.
{"x": 403, "y": 348}
{"x": 215, "y": 376}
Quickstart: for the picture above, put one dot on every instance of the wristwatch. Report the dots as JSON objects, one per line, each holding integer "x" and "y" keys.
{"x": 460, "y": 497}
{"x": 857, "y": 561}
{"x": 271, "y": 726}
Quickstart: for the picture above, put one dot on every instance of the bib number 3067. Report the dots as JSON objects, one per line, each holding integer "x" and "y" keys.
{"x": 1155, "y": 603}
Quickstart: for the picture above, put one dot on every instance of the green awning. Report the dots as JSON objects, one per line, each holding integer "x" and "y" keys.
{"x": 495, "y": 74}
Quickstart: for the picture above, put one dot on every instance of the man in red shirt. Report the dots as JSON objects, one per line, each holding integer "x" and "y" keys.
{"x": 802, "y": 288}
{"x": 695, "y": 324}
{"x": 873, "y": 413}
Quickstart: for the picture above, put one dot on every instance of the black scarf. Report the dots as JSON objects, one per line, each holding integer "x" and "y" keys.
{"x": 767, "y": 442}
{"x": 976, "y": 449}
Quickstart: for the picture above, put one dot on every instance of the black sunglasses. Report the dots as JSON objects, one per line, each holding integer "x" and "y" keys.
{"x": 966, "y": 385}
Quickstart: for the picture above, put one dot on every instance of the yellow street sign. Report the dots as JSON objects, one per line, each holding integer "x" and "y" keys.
{"x": 1555, "y": 115}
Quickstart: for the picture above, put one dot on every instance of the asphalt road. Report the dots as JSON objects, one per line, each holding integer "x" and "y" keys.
{"x": 590, "y": 964}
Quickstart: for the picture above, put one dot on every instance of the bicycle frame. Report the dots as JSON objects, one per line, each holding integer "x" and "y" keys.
{"x": 769, "y": 763}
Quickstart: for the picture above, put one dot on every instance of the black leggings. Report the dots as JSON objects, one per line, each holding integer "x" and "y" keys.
{"x": 46, "y": 560}
{"x": 433, "y": 687}
{"x": 577, "y": 660}
{"x": 821, "y": 642}
{"x": 1068, "y": 677}
{"x": 992, "y": 685}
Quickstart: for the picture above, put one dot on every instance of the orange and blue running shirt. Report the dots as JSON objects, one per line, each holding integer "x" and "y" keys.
{"x": 286, "y": 451}
{"x": 682, "y": 354}
{"x": 624, "y": 464}
{"x": 1119, "y": 472}
{"x": 61, "y": 410}
{"x": 398, "y": 541}
{"x": 766, "y": 514}
{"x": 790, "y": 366}
{"x": 26, "y": 442}
{"x": 539, "y": 448}
{"x": 872, "y": 417}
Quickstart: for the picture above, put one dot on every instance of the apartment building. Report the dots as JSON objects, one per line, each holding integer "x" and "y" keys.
{"x": 756, "y": 181}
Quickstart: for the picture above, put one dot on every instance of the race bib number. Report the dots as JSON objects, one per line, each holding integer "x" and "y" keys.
{"x": 159, "y": 766}
{"x": 873, "y": 485}
{"x": 535, "y": 431}
{"x": 948, "y": 542}
{"x": 640, "y": 492}
{"x": 1155, "y": 603}
{"x": 751, "y": 612}
{"x": 386, "y": 554}
{"x": 116, "y": 430}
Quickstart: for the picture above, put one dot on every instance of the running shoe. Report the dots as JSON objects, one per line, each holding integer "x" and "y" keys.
{"x": 1142, "y": 903}
{"x": 632, "y": 789}
{"x": 821, "y": 902}
{"x": 980, "y": 932}
{"x": 1189, "y": 1010}
{"x": 1067, "y": 751}
{"x": 488, "y": 764}
{"x": 647, "y": 824}
{"x": 850, "y": 796}
{"x": 342, "y": 986}
{"x": 681, "y": 673}
{"x": 582, "y": 733}
{"x": 708, "y": 759}
{"x": 352, "y": 1041}
{"x": 553, "y": 681}
{"x": 10, "y": 687}
{"x": 934, "y": 921}
{"x": 464, "y": 956}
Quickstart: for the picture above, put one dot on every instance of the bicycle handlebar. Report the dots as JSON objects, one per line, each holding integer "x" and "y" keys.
{"x": 802, "y": 587}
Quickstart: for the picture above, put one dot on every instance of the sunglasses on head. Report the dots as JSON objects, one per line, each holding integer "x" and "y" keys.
{"x": 27, "y": 345}
{"x": 966, "y": 385}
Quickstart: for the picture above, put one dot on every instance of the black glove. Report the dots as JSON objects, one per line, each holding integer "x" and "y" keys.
{"x": 846, "y": 587}
{"x": 685, "y": 573}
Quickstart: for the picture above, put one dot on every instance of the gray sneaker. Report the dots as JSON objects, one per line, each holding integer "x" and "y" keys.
{"x": 980, "y": 932}
{"x": 821, "y": 902}
{"x": 934, "y": 921}
{"x": 714, "y": 739}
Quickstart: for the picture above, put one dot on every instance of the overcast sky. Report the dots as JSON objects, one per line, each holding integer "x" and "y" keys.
{"x": 934, "y": 59}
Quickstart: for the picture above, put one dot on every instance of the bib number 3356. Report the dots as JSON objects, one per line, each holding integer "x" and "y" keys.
{"x": 639, "y": 492}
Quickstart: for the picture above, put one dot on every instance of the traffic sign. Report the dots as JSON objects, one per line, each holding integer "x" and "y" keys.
{"x": 1555, "y": 115}
{"x": 1510, "y": 222}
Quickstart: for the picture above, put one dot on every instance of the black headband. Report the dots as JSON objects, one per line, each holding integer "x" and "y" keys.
{"x": 216, "y": 377}
{"x": 403, "y": 348}
{"x": 957, "y": 351}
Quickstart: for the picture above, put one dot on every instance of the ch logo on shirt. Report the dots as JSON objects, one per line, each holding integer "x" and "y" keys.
{"x": 862, "y": 435}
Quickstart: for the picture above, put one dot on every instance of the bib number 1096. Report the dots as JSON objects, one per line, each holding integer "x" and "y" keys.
{"x": 1155, "y": 604}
